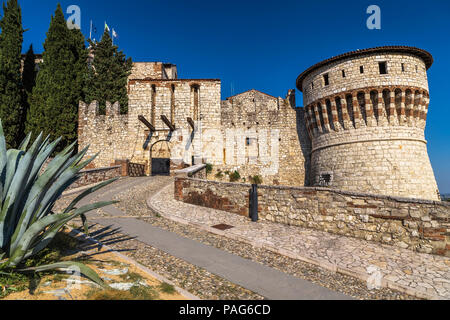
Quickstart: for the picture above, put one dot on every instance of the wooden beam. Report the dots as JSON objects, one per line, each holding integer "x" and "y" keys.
{"x": 168, "y": 123}
{"x": 191, "y": 123}
{"x": 146, "y": 123}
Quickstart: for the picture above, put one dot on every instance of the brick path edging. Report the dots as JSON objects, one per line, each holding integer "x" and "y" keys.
{"x": 318, "y": 262}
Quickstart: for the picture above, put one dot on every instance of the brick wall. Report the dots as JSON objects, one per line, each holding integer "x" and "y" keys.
{"x": 419, "y": 225}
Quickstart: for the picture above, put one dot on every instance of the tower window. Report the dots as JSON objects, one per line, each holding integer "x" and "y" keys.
{"x": 417, "y": 69}
{"x": 326, "y": 79}
{"x": 361, "y": 69}
{"x": 383, "y": 67}
{"x": 312, "y": 85}
{"x": 343, "y": 73}
{"x": 403, "y": 67}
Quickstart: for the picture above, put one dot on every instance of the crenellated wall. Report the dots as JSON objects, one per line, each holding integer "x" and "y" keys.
{"x": 366, "y": 115}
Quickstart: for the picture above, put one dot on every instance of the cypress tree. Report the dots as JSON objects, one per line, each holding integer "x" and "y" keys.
{"x": 59, "y": 83}
{"x": 29, "y": 81}
{"x": 11, "y": 39}
{"x": 108, "y": 74}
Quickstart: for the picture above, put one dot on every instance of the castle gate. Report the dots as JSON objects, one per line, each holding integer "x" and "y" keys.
{"x": 160, "y": 158}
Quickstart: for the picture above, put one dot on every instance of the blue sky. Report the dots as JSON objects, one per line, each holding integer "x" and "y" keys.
{"x": 266, "y": 45}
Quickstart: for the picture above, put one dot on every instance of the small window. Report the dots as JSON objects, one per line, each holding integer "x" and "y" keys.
{"x": 248, "y": 141}
{"x": 325, "y": 179}
{"x": 361, "y": 69}
{"x": 417, "y": 69}
{"x": 326, "y": 79}
{"x": 312, "y": 85}
{"x": 343, "y": 73}
{"x": 383, "y": 67}
{"x": 403, "y": 67}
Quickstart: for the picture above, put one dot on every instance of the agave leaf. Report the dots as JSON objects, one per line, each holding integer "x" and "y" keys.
{"x": 25, "y": 142}
{"x": 39, "y": 226}
{"x": 17, "y": 190}
{"x": 13, "y": 157}
{"x": 85, "y": 270}
{"x": 3, "y": 159}
{"x": 35, "y": 195}
{"x": 13, "y": 160}
{"x": 87, "y": 192}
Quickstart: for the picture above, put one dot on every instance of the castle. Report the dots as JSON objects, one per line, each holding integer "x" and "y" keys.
{"x": 362, "y": 127}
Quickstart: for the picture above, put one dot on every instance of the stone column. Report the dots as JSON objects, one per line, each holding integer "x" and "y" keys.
{"x": 410, "y": 110}
{"x": 402, "y": 109}
{"x": 382, "y": 116}
{"x": 345, "y": 115}
{"x": 326, "y": 122}
{"x": 392, "y": 112}
{"x": 334, "y": 112}
{"x": 317, "y": 117}
{"x": 356, "y": 113}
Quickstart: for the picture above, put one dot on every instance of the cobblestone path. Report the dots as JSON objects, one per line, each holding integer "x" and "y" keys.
{"x": 421, "y": 275}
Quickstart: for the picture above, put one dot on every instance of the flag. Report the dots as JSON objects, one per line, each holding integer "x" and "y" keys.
{"x": 106, "y": 27}
{"x": 114, "y": 33}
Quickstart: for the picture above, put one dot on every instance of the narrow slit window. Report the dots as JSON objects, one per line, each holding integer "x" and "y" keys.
{"x": 312, "y": 85}
{"x": 383, "y": 67}
{"x": 361, "y": 69}
{"x": 343, "y": 73}
{"x": 326, "y": 79}
{"x": 403, "y": 67}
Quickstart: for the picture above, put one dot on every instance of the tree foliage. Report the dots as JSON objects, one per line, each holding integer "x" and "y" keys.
{"x": 60, "y": 83}
{"x": 11, "y": 98}
{"x": 108, "y": 74}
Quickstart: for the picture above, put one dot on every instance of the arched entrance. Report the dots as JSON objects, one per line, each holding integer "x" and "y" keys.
{"x": 160, "y": 158}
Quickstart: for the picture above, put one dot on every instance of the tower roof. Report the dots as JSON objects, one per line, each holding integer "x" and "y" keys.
{"x": 424, "y": 55}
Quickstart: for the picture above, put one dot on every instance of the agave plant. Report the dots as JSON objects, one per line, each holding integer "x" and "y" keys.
{"x": 27, "y": 195}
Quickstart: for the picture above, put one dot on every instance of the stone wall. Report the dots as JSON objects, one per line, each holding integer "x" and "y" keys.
{"x": 419, "y": 225}
{"x": 266, "y": 136}
{"x": 367, "y": 122}
{"x": 93, "y": 176}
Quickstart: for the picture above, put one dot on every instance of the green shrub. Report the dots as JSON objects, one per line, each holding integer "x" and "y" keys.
{"x": 219, "y": 175}
{"x": 235, "y": 176}
{"x": 256, "y": 179}
{"x": 209, "y": 168}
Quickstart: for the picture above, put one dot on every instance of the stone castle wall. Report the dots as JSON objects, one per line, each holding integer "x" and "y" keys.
{"x": 253, "y": 133}
{"x": 419, "y": 225}
{"x": 265, "y": 136}
{"x": 367, "y": 126}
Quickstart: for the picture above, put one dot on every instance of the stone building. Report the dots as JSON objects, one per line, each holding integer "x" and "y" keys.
{"x": 362, "y": 128}
{"x": 366, "y": 114}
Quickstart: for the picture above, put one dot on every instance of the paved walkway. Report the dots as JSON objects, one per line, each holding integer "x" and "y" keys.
{"x": 422, "y": 275}
{"x": 266, "y": 281}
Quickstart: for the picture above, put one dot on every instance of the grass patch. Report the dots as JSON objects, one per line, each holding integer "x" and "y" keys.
{"x": 135, "y": 293}
{"x": 132, "y": 277}
{"x": 13, "y": 282}
{"x": 167, "y": 288}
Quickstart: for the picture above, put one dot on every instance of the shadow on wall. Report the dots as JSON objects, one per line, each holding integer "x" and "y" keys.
{"x": 305, "y": 143}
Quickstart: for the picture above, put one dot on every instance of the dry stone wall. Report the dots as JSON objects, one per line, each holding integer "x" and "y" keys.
{"x": 419, "y": 225}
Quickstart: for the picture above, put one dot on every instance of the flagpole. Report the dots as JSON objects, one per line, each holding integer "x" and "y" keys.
{"x": 90, "y": 33}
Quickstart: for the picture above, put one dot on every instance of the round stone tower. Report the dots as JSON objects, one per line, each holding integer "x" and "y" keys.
{"x": 366, "y": 113}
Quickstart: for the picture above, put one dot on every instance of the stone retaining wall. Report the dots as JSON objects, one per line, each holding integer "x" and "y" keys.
{"x": 419, "y": 225}
{"x": 93, "y": 176}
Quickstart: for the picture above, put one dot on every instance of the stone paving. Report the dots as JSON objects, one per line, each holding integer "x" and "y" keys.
{"x": 422, "y": 275}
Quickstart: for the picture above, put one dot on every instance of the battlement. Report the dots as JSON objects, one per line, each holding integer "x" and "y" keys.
{"x": 366, "y": 112}
{"x": 368, "y": 107}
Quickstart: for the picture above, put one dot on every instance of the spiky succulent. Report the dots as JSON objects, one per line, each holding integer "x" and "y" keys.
{"x": 27, "y": 221}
